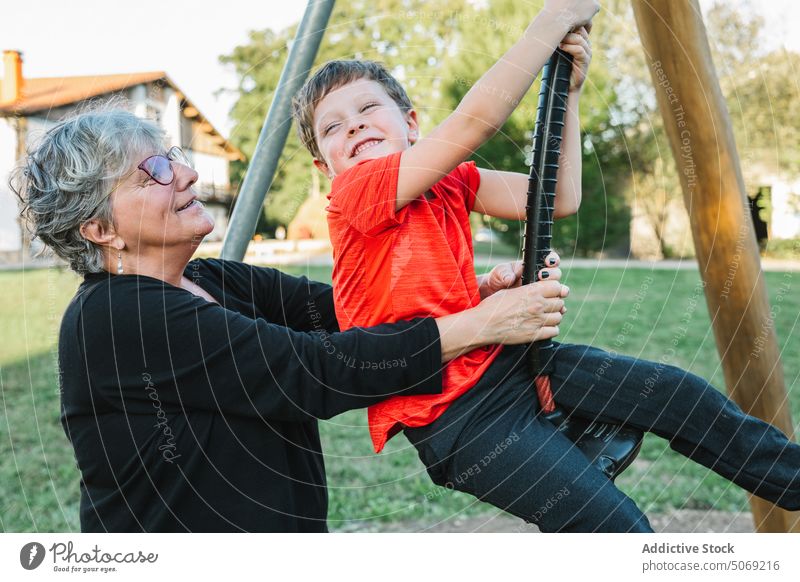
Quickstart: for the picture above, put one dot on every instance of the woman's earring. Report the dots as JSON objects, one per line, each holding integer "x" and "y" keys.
{"x": 119, "y": 262}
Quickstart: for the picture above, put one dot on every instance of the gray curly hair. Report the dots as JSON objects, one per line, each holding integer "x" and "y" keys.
{"x": 66, "y": 179}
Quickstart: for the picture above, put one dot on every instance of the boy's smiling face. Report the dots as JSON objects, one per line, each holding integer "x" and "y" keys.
{"x": 360, "y": 121}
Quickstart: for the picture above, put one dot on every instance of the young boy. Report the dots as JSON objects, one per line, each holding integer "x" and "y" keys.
{"x": 399, "y": 225}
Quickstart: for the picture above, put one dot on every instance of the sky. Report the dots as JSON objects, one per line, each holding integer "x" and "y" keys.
{"x": 185, "y": 38}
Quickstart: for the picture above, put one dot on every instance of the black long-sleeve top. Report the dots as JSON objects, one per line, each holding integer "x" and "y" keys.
{"x": 186, "y": 415}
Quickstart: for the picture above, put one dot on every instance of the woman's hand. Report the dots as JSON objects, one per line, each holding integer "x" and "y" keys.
{"x": 524, "y": 314}
{"x": 515, "y": 315}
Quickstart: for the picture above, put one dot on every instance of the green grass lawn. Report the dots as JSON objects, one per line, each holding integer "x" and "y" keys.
{"x": 39, "y": 480}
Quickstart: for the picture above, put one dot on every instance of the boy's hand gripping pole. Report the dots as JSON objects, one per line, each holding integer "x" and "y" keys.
{"x": 547, "y": 137}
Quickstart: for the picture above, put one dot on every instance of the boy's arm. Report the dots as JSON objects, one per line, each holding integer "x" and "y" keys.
{"x": 488, "y": 104}
{"x": 504, "y": 194}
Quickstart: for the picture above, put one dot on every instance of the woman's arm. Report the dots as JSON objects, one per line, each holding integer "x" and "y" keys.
{"x": 199, "y": 356}
{"x": 302, "y": 301}
{"x": 143, "y": 341}
{"x": 512, "y": 316}
{"x": 295, "y": 302}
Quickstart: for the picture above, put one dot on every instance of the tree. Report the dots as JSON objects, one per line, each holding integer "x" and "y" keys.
{"x": 760, "y": 90}
{"x": 610, "y": 145}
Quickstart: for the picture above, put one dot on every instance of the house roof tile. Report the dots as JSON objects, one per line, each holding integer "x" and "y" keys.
{"x": 43, "y": 94}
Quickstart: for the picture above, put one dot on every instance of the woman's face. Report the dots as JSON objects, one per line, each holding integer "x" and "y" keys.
{"x": 148, "y": 215}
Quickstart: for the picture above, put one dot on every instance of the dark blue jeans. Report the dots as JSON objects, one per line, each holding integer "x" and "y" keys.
{"x": 493, "y": 444}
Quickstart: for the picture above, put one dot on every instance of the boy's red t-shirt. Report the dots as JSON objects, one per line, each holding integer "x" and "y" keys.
{"x": 418, "y": 262}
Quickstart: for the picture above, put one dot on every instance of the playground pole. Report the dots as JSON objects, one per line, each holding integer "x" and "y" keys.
{"x": 698, "y": 127}
{"x": 262, "y": 166}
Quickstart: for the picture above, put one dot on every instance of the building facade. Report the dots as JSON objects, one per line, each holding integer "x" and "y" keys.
{"x": 28, "y": 107}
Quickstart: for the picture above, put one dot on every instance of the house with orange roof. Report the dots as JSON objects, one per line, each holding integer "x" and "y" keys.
{"x": 28, "y": 107}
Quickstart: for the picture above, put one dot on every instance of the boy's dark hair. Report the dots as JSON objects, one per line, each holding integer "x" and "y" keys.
{"x": 331, "y": 76}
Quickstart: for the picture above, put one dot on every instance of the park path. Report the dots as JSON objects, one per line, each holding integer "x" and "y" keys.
{"x": 782, "y": 265}
{"x": 325, "y": 259}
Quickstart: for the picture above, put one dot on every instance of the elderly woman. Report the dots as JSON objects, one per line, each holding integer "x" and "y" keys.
{"x": 191, "y": 389}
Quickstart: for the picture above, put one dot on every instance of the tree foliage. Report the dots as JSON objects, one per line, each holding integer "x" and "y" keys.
{"x": 760, "y": 87}
{"x": 438, "y": 50}
{"x": 608, "y": 124}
